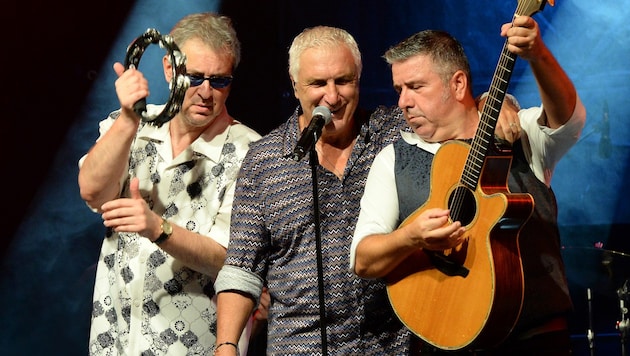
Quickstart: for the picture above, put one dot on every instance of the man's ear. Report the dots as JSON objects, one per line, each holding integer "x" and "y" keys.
{"x": 459, "y": 84}
{"x": 294, "y": 86}
{"x": 168, "y": 68}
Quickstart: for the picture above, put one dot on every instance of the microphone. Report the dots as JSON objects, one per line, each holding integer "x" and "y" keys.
{"x": 310, "y": 135}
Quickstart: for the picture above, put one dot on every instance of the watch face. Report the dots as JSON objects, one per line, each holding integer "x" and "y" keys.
{"x": 166, "y": 227}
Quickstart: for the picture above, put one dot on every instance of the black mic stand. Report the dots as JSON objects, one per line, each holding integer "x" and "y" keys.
{"x": 590, "y": 335}
{"x": 623, "y": 324}
{"x": 318, "y": 239}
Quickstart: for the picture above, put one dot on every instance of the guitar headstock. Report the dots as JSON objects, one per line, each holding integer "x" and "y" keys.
{"x": 530, "y": 7}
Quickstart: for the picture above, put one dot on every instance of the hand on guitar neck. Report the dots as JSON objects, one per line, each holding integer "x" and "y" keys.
{"x": 508, "y": 128}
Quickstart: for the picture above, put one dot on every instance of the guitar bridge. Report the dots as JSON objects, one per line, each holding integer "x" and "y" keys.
{"x": 446, "y": 266}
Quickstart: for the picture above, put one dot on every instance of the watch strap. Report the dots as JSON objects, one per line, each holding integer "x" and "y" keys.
{"x": 163, "y": 236}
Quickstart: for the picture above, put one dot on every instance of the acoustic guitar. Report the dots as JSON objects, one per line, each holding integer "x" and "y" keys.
{"x": 469, "y": 296}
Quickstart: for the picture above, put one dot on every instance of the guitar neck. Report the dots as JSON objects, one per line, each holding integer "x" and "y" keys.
{"x": 492, "y": 107}
{"x": 489, "y": 117}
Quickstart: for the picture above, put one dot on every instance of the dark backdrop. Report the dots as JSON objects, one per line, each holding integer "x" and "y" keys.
{"x": 58, "y": 57}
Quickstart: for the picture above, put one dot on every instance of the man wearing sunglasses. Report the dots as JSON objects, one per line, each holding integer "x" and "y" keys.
{"x": 165, "y": 195}
{"x": 216, "y": 81}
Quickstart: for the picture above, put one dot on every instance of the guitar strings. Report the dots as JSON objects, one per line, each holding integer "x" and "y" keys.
{"x": 478, "y": 150}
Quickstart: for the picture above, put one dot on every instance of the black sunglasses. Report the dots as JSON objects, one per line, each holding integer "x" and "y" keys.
{"x": 216, "y": 81}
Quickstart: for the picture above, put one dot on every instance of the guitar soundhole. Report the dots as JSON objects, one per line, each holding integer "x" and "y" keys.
{"x": 463, "y": 205}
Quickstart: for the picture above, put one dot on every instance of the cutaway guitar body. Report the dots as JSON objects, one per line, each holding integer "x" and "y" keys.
{"x": 471, "y": 295}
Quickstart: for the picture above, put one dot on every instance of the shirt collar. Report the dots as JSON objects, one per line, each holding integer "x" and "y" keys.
{"x": 291, "y": 135}
{"x": 207, "y": 144}
{"x": 413, "y": 139}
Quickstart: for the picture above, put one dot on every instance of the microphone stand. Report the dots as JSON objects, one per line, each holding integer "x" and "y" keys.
{"x": 623, "y": 325}
{"x": 590, "y": 335}
{"x": 322, "y": 307}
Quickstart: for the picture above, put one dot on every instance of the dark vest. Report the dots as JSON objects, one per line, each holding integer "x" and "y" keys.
{"x": 546, "y": 289}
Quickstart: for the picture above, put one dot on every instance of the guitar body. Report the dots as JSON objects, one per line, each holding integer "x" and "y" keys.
{"x": 473, "y": 304}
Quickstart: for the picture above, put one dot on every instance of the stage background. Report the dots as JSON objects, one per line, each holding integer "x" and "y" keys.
{"x": 58, "y": 57}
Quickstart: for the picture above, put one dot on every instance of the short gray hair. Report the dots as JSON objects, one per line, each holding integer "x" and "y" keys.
{"x": 213, "y": 29}
{"x": 447, "y": 53}
{"x": 322, "y": 36}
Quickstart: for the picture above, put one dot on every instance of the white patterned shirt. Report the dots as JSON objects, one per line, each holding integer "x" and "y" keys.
{"x": 146, "y": 302}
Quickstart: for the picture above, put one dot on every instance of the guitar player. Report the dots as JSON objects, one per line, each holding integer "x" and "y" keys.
{"x": 401, "y": 215}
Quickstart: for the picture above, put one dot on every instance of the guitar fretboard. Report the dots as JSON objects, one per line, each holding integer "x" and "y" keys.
{"x": 489, "y": 117}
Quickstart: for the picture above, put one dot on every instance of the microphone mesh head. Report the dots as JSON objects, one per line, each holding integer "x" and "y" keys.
{"x": 324, "y": 112}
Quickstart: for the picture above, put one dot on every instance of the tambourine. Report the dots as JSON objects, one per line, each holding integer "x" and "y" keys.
{"x": 179, "y": 82}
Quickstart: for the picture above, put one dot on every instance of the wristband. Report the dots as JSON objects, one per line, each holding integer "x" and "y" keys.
{"x": 226, "y": 343}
